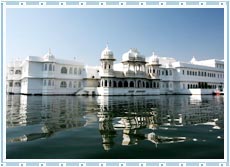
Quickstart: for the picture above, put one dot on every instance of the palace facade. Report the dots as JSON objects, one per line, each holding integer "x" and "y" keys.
{"x": 134, "y": 75}
{"x": 44, "y": 76}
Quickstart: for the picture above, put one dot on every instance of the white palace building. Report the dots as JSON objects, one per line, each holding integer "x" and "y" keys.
{"x": 134, "y": 75}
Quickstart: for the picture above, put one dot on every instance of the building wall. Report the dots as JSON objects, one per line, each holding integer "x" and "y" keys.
{"x": 34, "y": 85}
{"x": 127, "y": 91}
{"x": 36, "y": 75}
{"x": 34, "y": 70}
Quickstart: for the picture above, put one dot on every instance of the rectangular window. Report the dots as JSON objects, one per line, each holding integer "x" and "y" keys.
{"x": 10, "y": 84}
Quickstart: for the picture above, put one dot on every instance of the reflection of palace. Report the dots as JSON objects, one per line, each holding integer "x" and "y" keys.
{"x": 44, "y": 114}
{"x": 130, "y": 115}
{"x": 123, "y": 120}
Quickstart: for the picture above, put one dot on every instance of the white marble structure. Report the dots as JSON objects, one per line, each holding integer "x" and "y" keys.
{"x": 44, "y": 76}
{"x": 155, "y": 75}
{"x": 135, "y": 75}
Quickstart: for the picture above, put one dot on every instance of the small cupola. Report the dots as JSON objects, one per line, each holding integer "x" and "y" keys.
{"x": 107, "y": 53}
{"x": 49, "y": 56}
{"x": 154, "y": 59}
{"x": 193, "y": 60}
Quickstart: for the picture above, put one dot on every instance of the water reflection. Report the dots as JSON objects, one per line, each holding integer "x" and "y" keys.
{"x": 123, "y": 120}
{"x": 41, "y": 116}
{"x": 146, "y": 118}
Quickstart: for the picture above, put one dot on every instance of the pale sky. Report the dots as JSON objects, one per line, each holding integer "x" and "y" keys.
{"x": 83, "y": 33}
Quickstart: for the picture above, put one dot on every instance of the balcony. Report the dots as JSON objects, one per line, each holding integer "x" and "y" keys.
{"x": 140, "y": 74}
{"x": 129, "y": 73}
{"x": 14, "y": 77}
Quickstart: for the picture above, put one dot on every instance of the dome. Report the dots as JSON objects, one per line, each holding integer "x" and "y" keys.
{"x": 154, "y": 59}
{"x": 107, "y": 53}
{"x": 48, "y": 56}
{"x": 132, "y": 55}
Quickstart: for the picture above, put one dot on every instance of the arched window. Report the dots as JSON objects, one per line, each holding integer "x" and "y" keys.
{"x": 158, "y": 85}
{"x": 10, "y": 84}
{"x": 126, "y": 84}
{"x": 17, "y": 84}
{"x": 11, "y": 71}
{"x": 143, "y": 84}
{"x": 114, "y": 84}
{"x": 147, "y": 84}
{"x": 50, "y": 67}
{"x": 79, "y": 71}
{"x": 49, "y": 83}
{"x": 119, "y": 84}
{"x": 131, "y": 84}
{"x": 75, "y": 71}
{"x": 109, "y": 66}
{"x": 64, "y": 70}
{"x": 139, "y": 84}
{"x": 151, "y": 84}
{"x": 70, "y": 70}
{"x": 105, "y": 83}
{"x": 98, "y": 84}
{"x": 154, "y": 84}
{"x": 53, "y": 67}
{"x": 102, "y": 83}
{"x": 70, "y": 84}
{"x": 44, "y": 82}
{"x": 166, "y": 72}
{"x": 110, "y": 83}
{"x": 63, "y": 84}
{"x": 45, "y": 67}
{"x": 18, "y": 72}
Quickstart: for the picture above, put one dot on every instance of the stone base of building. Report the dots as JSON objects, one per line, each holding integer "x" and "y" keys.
{"x": 100, "y": 91}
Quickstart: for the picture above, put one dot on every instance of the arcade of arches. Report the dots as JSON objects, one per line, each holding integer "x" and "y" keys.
{"x": 129, "y": 83}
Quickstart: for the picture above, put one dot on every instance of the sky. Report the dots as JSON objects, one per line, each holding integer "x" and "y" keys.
{"x": 83, "y": 33}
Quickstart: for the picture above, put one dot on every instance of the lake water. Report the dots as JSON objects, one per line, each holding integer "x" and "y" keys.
{"x": 118, "y": 127}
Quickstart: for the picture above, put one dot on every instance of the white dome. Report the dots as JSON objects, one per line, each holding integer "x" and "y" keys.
{"x": 132, "y": 55}
{"x": 107, "y": 53}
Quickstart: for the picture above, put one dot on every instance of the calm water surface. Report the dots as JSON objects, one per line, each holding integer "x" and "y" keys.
{"x": 133, "y": 127}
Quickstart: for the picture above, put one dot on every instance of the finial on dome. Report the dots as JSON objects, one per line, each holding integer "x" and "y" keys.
{"x": 107, "y": 44}
{"x": 153, "y": 53}
{"x": 49, "y": 51}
